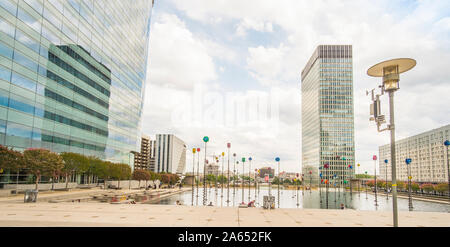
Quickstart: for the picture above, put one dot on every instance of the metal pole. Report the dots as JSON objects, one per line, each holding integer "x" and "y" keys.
{"x": 234, "y": 176}
{"x": 297, "y": 191}
{"x": 198, "y": 175}
{"x": 256, "y": 185}
{"x": 221, "y": 182}
{"x": 394, "y": 169}
{"x": 375, "y": 167}
{"x": 326, "y": 184}
{"x": 243, "y": 182}
{"x": 204, "y": 179}
{"x": 228, "y": 178}
{"x": 310, "y": 182}
{"x": 278, "y": 184}
{"x": 387, "y": 192}
{"x": 410, "y": 205}
{"x": 193, "y": 175}
{"x": 249, "y": 176}
{"x": 448, "y": 173}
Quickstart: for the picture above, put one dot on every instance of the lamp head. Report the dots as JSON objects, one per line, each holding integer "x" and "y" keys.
{"x": 390, "y": 70}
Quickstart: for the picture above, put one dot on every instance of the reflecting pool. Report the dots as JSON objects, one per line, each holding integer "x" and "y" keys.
{"x": 300, "y": 199}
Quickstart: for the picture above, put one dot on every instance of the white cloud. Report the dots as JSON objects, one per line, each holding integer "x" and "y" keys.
{"x": 251, "y": 24}
{"x": 177, "y": 57}
{"x": 376, "y": 32}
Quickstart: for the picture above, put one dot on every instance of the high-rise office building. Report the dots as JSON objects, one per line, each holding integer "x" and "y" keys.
{"x": 427, "y": 153}
{"x": 327, "y": 113}
{"x": 72, "y": 75}
{"x": 170, "y": 155}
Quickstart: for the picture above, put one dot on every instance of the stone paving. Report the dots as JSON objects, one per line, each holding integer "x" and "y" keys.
{"x": 127, "y": 215}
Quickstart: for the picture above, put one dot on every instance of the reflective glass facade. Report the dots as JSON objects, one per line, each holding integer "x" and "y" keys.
{"x": 327, "y": 113}
{"x": 72, "y": 75}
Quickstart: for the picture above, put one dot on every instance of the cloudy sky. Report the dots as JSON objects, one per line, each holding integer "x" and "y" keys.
{"x": 230, "y": 69}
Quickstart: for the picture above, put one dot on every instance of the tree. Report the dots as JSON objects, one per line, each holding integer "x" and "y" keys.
{"x": 73, "y": 162}
{"x": 11, "y": 160}
{"x": 427, "y": 187}
{"x": 370, "y": 183}
{"x": 381, "y": 184}
{"x": 55, "y": 165}
{"x": 441, "y": 188}
{"x": 415, "y": 187}
{"x": 400, "y": 185}
{"x": 140, "y": 175}
{"x": 275, "y": 180}
{"x": 222, "y": 179}
{"x": 42, "y": 162}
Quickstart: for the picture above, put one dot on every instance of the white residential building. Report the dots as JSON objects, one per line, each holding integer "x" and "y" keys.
{"x": 428, "y": 155}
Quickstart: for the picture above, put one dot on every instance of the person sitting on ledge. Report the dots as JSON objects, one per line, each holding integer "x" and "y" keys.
{"x": 210, "y": 204}
{"x": 342, "y": 206}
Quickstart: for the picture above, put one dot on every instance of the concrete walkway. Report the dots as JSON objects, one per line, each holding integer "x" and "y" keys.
{"x": 46, "y": 196}
{"x": 103, "y": 214}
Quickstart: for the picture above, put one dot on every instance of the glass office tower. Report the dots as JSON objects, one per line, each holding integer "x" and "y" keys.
{"x": 72, "y": 75}
{"x": 327, "y": 114}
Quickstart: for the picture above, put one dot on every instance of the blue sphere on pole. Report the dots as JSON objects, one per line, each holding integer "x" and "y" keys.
{"x": 408, "y": 161}
{"x": 447, "y": 143}
{"x": 386, "y": 161}
{"x": 277, "y": 159}
{"x": 250, "y": 158}
{"x": 205, "y": 139}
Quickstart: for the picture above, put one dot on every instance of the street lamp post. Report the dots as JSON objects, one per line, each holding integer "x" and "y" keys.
{"x": 277, "y": 159}
{"x": 447, "y": 143}
{"x": 249, "y": 176}
{"x": 390, "y": 71}
{"x": 205, "y": 139}
{"x": 387, "y": 192}
{"x": 410, "y": 205}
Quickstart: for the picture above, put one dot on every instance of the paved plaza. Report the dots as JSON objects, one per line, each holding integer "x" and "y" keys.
{"x": 128, "y": 215}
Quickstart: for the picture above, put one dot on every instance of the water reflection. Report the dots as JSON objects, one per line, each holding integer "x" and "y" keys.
{"x": 300, "y": 199}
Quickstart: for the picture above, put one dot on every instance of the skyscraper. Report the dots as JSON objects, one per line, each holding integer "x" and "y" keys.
{"x": 170, "y": 154}
{"x": 72, "y": 75}
{"x": 327, "y": 113}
